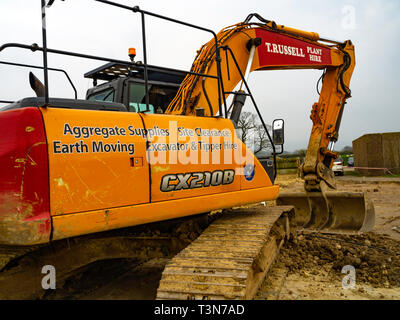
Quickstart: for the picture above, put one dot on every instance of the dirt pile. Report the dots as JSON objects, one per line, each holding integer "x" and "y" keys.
{"x": 376, "y": 258}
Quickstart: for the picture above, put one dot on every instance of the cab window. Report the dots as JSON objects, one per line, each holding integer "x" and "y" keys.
{"x": 159, "y": 97}
{"x": 105, "y": 95}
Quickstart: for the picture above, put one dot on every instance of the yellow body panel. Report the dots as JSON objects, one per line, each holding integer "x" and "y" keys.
{"x": 65, "y": 226}
{"x": 93, "y": 180}
{"x": 195, "y": 153}
{"x": 117, "y": 169}
{"x": 170, "y": 174}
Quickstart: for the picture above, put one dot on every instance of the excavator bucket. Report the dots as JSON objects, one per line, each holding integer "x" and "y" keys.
{"x": 331, "y": 211}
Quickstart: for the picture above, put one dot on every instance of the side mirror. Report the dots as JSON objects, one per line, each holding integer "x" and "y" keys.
{"x": 278, "y": 135}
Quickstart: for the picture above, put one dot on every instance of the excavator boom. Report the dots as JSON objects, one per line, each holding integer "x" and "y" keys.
{"x": 267, "y": 46}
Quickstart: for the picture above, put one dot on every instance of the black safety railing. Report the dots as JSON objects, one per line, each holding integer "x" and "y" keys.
{"x": 143, "y": 13}
{"x": 34, "y": 47}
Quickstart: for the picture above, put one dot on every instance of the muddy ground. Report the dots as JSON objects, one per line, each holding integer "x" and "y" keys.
{"x": 310, "y": 267}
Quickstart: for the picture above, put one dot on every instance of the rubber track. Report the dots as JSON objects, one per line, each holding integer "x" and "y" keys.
{"x": 230, "y": 258}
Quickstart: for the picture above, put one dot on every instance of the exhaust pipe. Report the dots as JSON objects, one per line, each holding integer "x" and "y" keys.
{"x": 36, "y": 85}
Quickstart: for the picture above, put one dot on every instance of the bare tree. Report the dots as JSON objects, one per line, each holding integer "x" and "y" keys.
{"x": 246, "y": 125}
{"x": 252, "y": 133}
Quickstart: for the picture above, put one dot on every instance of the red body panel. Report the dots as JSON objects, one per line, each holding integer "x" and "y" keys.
{"x": 24, "y": 187}
{"x": 280, "y": 50}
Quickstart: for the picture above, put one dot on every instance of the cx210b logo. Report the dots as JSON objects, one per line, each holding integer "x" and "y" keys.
{"x": 194, "y": 180}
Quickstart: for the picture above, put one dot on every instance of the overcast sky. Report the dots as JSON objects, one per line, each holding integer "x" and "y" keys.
{"x": 90, "y": 27}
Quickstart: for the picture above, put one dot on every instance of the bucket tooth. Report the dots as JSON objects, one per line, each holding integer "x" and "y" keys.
{"x": 331, "y": 211}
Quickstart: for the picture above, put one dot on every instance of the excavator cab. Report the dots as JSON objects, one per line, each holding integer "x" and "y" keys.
{"x": 126, "y": 84}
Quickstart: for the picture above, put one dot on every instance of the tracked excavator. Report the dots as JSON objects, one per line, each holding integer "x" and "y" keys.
{"x": 150, "y": 165}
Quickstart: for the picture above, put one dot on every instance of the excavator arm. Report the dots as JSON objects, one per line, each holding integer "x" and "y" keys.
{"x": 267, "y": 46}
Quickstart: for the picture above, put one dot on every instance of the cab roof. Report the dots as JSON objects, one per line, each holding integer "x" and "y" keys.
{"x": 112, "y": 70}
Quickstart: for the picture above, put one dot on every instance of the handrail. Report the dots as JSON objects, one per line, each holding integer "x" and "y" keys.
{"x": 135, "y": 9}
{"x": 34, "y": 47}
{"x": 255, "y": 105}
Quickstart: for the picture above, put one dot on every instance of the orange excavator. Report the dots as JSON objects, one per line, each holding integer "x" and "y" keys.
{"x": 135, "y": 169}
